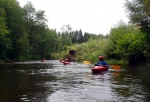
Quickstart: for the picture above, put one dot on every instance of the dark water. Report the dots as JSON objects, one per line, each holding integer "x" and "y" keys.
{"x": 52, "y": 81}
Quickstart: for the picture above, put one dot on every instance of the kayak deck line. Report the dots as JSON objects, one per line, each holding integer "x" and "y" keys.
{"x": 66, "y": 62}
{"x": 98, "y": 69}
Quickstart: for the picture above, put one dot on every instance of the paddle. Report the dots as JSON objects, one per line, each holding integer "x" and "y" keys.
{"x": 86, "y": 62}
{"x": 115, "y": 67}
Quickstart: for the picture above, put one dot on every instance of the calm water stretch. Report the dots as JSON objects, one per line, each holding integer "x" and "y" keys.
{"x": 51, "y": 81}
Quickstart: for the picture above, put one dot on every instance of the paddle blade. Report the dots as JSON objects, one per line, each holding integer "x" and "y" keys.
{"x": 86, "y": 62}
{"x": 116, "y": 67}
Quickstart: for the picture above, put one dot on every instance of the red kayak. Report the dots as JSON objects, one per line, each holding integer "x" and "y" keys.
{"x": 44, "y": 60}
{"x": 98, "y": 69}
{"x": 66, "y": 62}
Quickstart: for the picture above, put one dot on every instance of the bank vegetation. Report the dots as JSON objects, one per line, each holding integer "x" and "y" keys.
{"x": 24, "y": 35}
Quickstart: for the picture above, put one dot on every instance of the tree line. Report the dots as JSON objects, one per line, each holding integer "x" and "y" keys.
{"x": 131, "y": 41}
{"x": 125, "y": 42}
{"x": 24, "y": 33}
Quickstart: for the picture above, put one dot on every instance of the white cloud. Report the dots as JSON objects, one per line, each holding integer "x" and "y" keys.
{"x": 93, "y": 16}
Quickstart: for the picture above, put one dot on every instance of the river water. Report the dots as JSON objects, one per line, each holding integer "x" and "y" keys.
{"x": 51, "y": 81}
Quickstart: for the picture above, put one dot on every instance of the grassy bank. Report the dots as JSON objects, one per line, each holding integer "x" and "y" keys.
{"x": 89, "y": 51}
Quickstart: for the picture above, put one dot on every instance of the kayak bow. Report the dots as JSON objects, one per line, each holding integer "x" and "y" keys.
{"x": 65, "y": 62}
{"x": 98, "y": 69}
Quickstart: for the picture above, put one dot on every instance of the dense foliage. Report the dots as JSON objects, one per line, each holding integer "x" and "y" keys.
{"x": 24, "y": 35}
{"x": 139, "y": 14}
{"x": 127, "y": 43}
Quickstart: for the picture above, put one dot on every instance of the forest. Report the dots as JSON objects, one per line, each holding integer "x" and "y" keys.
{"x": 24, "y": 35}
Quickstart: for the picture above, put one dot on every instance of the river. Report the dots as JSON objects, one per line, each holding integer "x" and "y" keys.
{"x": 51, "y": 81}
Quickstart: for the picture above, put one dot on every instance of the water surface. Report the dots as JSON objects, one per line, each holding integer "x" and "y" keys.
{"x": 51, "y": 81}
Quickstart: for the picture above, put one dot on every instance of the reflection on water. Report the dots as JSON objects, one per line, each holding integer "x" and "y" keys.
{"x": 51, "y": 81}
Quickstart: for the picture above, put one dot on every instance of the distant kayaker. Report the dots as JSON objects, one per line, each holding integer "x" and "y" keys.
{"x": 43, "y": 60}
{"x": 101, "y": 61}
{"x": 67, "y": 60}
{"x": 61, "y": 60}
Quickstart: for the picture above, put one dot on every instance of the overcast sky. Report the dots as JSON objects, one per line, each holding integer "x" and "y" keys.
{"x": 93, "y": 16}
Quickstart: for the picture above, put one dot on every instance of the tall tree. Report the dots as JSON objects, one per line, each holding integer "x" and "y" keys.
{"x": 4, "y": 40}
{"x": 139, "y": 14}
{"x": 80, "y": 36}
{"x": 86, "y": 37}
{"x": 15, "y": 26}
{"x": 35, "y": 28}
{"x": 65, "y": 35}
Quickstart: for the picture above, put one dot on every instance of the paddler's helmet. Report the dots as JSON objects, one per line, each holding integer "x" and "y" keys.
{"x": 100, "y": 58}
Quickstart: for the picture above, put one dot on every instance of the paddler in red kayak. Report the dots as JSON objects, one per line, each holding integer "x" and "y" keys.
{"x": 66, "y": 60}
{"x": 101, "y": 61}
